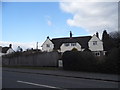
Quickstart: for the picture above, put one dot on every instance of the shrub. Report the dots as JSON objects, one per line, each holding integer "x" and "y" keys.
{"x": 83, "y": 61}
{"x": 89, "y": 61}
{"x": 86, "y": 61}
{"x": 70, "y": 60}
{"x": 74, "y": 49}
{"x": 112, "y": 61}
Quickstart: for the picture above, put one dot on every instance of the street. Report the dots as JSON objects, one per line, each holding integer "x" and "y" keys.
{"x": 28, "y": 80}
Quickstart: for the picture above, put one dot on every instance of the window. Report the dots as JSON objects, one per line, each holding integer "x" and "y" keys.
{"x": 97, "y": 53}
{"x": 66, "y": 44}
{"x": 73, "y": 44}
{"x": 94, "y": 42}
{"x": 47, "y": 45}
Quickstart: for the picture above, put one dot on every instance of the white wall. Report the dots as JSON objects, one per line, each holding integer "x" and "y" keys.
{"x": 45, "y": 48}
{"x": 67, "y": 48}
{"x": 98, "y": 47}
{"x": 1, "y": 54}
{"x": 10, "y": 50}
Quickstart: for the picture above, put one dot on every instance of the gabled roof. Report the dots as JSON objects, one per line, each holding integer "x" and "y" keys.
{"x": 83, "y": 41}
{"x": 5, "y": 49}
{"x": 45, "y": 41}
{"x": 96, "y": 37}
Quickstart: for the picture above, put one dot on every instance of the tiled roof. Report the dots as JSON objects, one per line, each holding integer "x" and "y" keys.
{"x": 83, "y": 41}
{"x": 5, "y": 49}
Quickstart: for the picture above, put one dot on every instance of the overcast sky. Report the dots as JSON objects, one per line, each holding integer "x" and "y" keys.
{"x": 25, "y": 23}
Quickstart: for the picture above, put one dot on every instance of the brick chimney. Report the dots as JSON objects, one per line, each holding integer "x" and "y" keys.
{"x": 70, "y": 34}
{"x": 47, "y": 37}
{"x": 97, "y": 34}
{"x": 10, "y": 45}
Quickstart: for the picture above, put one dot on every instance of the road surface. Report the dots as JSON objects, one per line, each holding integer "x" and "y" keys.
{"x": 28, "y": 80}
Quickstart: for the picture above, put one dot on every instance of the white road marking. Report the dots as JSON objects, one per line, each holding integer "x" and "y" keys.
{"x": 41, "y": 85}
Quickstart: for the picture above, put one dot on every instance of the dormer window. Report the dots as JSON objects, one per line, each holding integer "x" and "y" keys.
{"x": 66, "y": 44}
{"x": 47, "y": 45}
{"x": 94, "y": 42}
{"x": 73, "y": 44}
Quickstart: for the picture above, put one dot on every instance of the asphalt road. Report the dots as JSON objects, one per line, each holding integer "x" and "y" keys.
{"x": 27, "y": 80}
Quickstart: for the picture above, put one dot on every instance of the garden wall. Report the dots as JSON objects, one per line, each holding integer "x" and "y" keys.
{"x": 38, "y": 59}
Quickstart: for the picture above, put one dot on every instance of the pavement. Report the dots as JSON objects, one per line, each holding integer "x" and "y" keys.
{"x": 72, "y": 74}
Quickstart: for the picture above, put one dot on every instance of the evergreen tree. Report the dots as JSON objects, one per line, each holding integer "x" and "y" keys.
{"x": 107, "y": 41}
{"x": 105, "y": 35}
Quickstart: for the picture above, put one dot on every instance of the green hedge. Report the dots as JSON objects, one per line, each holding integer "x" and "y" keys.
{"x": 112, "y": 61}
{"x": 75, "y": 60}
{"x": 86, "y": 61}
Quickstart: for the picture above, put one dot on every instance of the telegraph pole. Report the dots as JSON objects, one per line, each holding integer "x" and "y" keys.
{"x": 37, "y": 46}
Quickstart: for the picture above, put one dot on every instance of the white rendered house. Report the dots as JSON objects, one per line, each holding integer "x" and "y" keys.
{"x": 93, "y": 43}
{"x": 69, "y": 46}
{"x": 6, "y": 50}
{"x": 10, "y": 50}
{"x": 1, "y": 51}
{"x": 96, "y": 45}
{"x": 47, "y": 45}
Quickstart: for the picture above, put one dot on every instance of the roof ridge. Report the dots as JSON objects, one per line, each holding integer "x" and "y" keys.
{"x": 69, "y": 37}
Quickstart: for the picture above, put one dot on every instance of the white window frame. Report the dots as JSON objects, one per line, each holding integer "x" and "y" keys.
{"x": 97, "y": 53}
{"x": 73, "y": 44}
{"x": 47, "y": 45}
{"x": 94, "y": 42}
{"x": 66, "y": 44}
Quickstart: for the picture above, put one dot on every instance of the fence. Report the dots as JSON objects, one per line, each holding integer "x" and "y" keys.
{"x": 38, "y": 59}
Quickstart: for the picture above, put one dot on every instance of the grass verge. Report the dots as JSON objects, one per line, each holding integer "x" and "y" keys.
{"x": 32, "y": 67}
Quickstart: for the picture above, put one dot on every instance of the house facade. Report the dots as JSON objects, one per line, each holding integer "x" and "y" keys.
{"x": 0, "y": 50}
{"x": 92, "y": 43}
{"x": 6, "y": 50}
{"x": 48, "y": 45}
{"x": 96, "y": 45}
{"x": 69, "y": 46}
